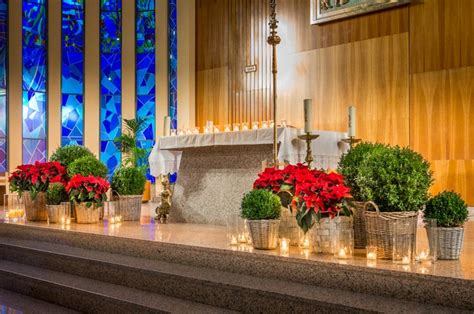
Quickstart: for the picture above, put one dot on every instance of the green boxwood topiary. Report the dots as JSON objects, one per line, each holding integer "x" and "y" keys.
{"x": 86, "y": 166}
{"x": 350, "y": 162}
{"x": 56, "y": 194}
{"x": 261, "y": 204}
{"x": 67, "y": 154}
{"x": 128, "y": 181}
{"x": 396, "y": 179}
{"x": 448, "y": 208}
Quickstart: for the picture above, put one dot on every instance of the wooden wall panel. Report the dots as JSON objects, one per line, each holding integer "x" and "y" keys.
{"x": 212, "y": 95}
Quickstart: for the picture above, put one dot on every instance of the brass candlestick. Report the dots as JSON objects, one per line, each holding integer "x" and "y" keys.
{"x": 351, "y": 140}
{"x": 274, "y": 40}
{"x": 308, "y": 137}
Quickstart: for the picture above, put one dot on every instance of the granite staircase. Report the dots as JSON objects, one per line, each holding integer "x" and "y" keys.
{"x": 95, "y": 273}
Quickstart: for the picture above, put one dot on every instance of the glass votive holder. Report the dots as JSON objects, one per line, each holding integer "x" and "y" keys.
{"x": 284, "y": 246}
{"x": 236, "y": 127}
{"x": 427, "y": 242}
{"x": 403, "y": 241}
{"x": 371, "y": 251}
{"x": 174, "y": 132}
{"x": 13, "y": 207}
{"x": 209, "y": 124}
{"x": 264, "y": 125}
{"x": 112, "y": 212}
{"x": 255, "y": 125}
{"x": 344, "y": 244}
{"x": 227, "y": 128}
{"x": 216, "y": 129}
{"x": 207, "y": 130}
{"x": 283, "y": 123}
{"x": 304, "y": 240}
{"x": 271, "y": 123}
{"x": 181, "y": 132}
{"x": 236, "y": 230}
{"x": 245, "y": 126}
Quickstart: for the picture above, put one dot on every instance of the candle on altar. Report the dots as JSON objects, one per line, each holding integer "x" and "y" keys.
{"x": 352, "y": 122}
{"x": 255, "y": 125}
{"x": 308, "y": 115}
{"x": 245, "y": 126}
{"x": 167, "y": 126}
{"x": 226, "y": 127}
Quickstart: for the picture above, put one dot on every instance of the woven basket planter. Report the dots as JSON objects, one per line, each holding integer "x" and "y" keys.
{"x": 450, "y": 242}
{"x": 381, "y": 229}
{"x": 359, "y": 221}
{"x": 264, "y": 233}
{"x": 325, "y": 233}
{"x": 86, "y": 215}
{"x": 130, "y": 207}
{"x": 35, "y": 209}
{"x": 289, "y": 226}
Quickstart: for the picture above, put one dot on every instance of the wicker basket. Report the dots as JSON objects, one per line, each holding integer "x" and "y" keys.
{"x": 289, "y": 226}
{"x": 86, "y": 215}
{"x": 35, "y": 209}
{"x": 130, "y": 207}
{"x": 359, "y": 221}
{"x": 450, "y": 242}
{"x": 380, "y": 229}
{"x": 325, "y": 233}
{"x": 264, "y": 233}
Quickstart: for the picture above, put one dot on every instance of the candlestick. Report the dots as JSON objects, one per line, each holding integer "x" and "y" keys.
{"x": 308, "y": 115}
{"x": 308, "y": 137}
{"x": 352, "y": 121}
{"x": 351, "y": 141}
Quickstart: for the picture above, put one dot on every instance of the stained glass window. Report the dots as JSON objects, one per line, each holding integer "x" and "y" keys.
{"x": 3, "y": 83}
{"x": 145, "y": 70}
{"x": 173, "y": 62}
{"x": 110, "y": 81}
{"x": 34, "y": 27}
{"x": 72, "y": 72}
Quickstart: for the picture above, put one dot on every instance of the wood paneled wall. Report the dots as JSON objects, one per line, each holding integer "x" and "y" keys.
{"x": 409, "y": 71}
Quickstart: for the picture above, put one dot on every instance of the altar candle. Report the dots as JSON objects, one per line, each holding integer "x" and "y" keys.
{"x": 308, "y": 115}
{"x": 167, "y": 126}
{"x": 352, "y": 121}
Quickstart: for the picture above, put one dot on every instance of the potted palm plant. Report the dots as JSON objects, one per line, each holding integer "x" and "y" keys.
{"x": 450, "y": 212}
{"x": 262, "y": 209}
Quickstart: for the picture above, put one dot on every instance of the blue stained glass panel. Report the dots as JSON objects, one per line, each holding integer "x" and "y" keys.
{"x": 145, "y": 5}
{"x": 34, "y": 115}
{"x": 111, "y": 78}
{"x": 110, "y": 155}
{"x": 34, "y": 150}
{"x": 146, "y": 109}
{"x": 3, "y": 155}
{"x": 145, "y": 74}
{"x": 110, "y": 32}
{"x": 34, "y": 24}
{"x": 110, "y": 117}
{"x": 145, "y": 31}
{"x": 3, "y": 116}
{"x": 65, "y": 141}
{"x": 3, "y": 66}
{"x": 73, "y": 30}
{"x": 111, "y": 5}
{"x": 173, "y": 65}
{"x": 73, "y": 4}
{"x": 73, "y": 73}
{"x": 34, "y": 69}
{"x": 72, "y": 119}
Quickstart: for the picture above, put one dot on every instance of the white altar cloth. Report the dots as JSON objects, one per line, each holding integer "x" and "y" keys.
{"x": 327, "y": 149}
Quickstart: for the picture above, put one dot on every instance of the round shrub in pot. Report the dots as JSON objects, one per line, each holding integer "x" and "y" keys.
{"x": 128, "y": 183}
{"x": 262, "y": 209}
{"x": 450, "y": 212}
{"x": 88, "y": 166}
{"x": 67, "y": 154}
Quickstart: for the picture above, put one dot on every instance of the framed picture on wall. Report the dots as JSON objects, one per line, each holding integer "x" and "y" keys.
{"x": 323, "y": 11}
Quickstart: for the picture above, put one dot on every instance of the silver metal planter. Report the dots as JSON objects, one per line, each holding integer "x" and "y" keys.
{"x": 130, "y": 207}
{"x": 450, "y": 242}
{"x": 264, "y": 233}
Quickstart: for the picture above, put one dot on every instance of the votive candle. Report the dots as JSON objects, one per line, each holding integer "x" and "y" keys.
{"x": 308, "y": 115}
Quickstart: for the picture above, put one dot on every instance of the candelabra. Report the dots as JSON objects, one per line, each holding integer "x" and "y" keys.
{"x": 308, "y": 137}
{"x": 351, "y": 140}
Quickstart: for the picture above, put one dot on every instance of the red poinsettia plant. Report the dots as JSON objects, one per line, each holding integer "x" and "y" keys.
{"x": 37, "y": 177}
{"x": 314, "y": 193}
{"x": 90, "y": 190}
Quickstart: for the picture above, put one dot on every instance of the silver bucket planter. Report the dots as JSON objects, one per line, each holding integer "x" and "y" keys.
{"x": 35, "y": 208}
{"x": 87, "y": 215}
{"x": 264, "y": 233}
{"x": 450, "y": 242}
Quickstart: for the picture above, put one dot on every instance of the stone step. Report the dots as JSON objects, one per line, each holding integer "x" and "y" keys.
{"x": 200, "y": 284}
{"x": 88, "y": 295}
{"x": 11, "y": 302}
{"x": 430, "y": 289}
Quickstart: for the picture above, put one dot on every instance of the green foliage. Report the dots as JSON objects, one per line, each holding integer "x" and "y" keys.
{"x": 396, "y": 179}
{"x": 261, "y": 204}
{"x": 56, "y": 194}
{"x": 88, "y": 165}
{"x": 133, "y": 156}
{"x": 69, "y": 153}
{"x": 448, "y": 208}
{"x": 128, "y": 181}
{"x": 350, "y": 162}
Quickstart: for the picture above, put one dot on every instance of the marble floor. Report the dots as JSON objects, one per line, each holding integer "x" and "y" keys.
{"x": 215, "y": 237}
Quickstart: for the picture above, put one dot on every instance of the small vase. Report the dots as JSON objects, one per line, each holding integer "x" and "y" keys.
{"x": 264, "y": 233}
{"x": 35, "y": 208}
{"x": 305, "y": 239}
{"x": 87, "y": 215}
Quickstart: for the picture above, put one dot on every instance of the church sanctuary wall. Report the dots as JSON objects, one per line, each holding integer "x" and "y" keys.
{"x": 186, "y": 71}
{"x": 409, "y": 71}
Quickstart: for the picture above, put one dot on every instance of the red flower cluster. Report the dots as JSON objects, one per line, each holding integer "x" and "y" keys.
{"x": 88, "y": 189}
{"x": 37, "y": 177}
